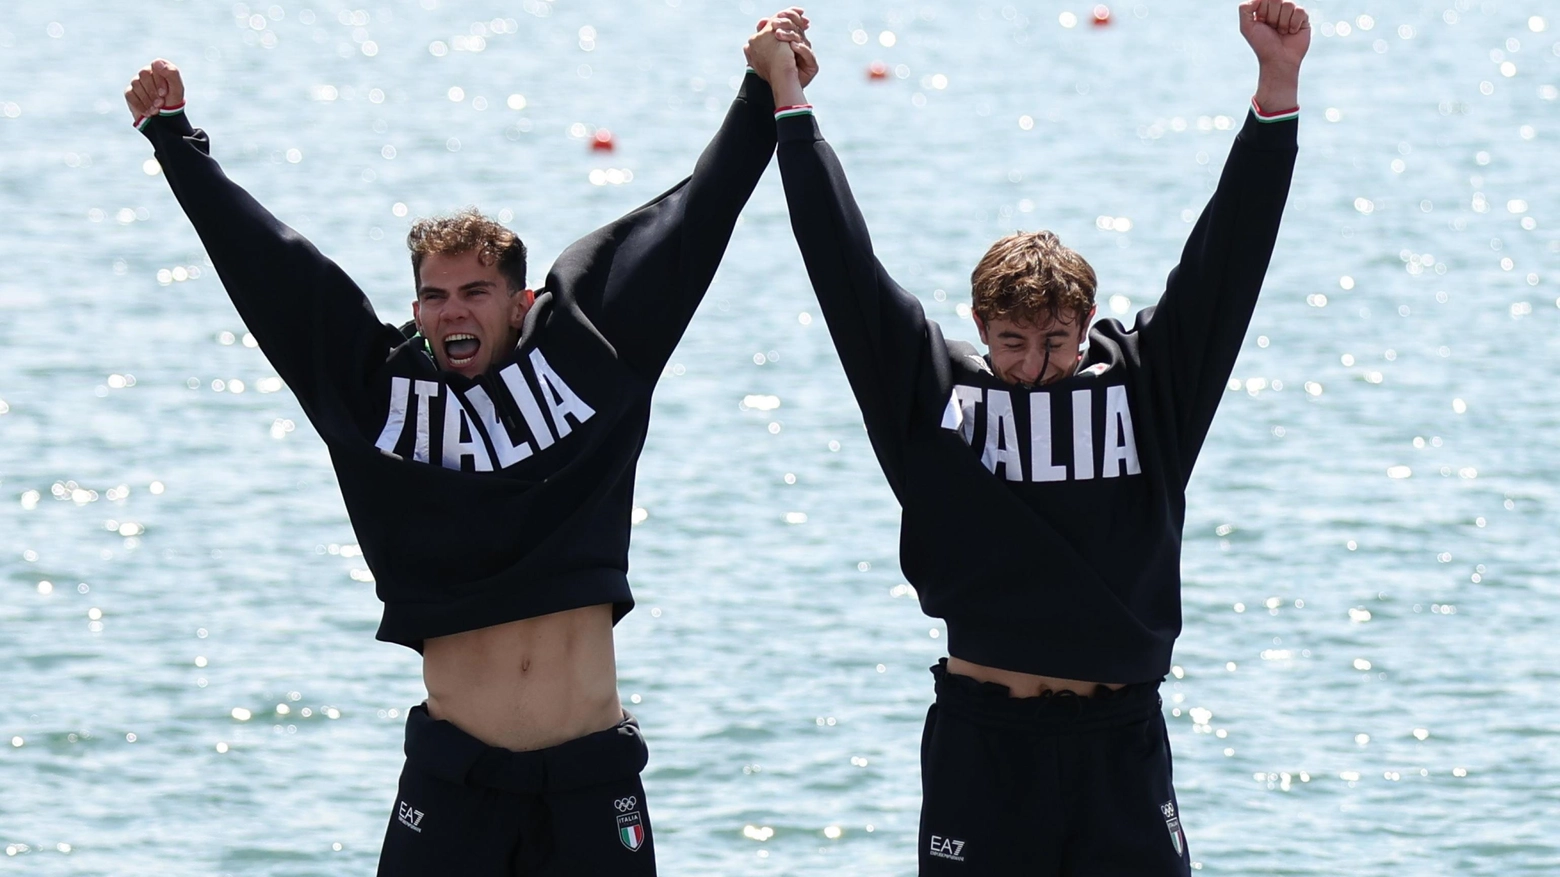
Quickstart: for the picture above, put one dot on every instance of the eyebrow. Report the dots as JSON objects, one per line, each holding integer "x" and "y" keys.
{"x": 1054, "y": 333}
{"x": 475, "y": 284}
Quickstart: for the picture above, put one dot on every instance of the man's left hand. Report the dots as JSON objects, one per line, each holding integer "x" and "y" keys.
{"x": 1279, "y": 31}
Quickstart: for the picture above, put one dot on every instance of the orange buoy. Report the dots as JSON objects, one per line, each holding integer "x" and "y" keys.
{"x": 603, "y": 141}
{"x": 1101, "y": 15}
{"x": 877, "y": 70}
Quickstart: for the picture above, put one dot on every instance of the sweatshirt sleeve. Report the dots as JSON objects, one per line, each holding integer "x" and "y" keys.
{"x": 1192, "y": 337}
{"x": 640, "y": 279}
{"x": 312, "y": 322}
{"x": 879, "y": 328}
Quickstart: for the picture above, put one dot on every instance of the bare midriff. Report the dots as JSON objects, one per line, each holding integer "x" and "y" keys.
{"x": 1026, "y": 684}
{"x": 527, "y": 684}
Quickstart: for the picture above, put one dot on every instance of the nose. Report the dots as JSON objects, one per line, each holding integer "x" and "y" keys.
{"x": 455, "y": 308}
{"x": 1032, "y": 369}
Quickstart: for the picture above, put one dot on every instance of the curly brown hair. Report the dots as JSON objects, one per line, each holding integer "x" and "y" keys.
{"x": 1030, "y": 276}
{"x": 464, "y": 232}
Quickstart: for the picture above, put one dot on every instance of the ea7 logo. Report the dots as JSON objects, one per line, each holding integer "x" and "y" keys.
{"x": 410, "y": 817}
{"x": 947, "y": 848}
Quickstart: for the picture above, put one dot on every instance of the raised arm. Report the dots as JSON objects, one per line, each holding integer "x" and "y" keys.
{"x": 879, "y": 329}
{"x": 1194, "y": 334}
{"x": 641, "y": 278}
{"x": 311, "y": 321}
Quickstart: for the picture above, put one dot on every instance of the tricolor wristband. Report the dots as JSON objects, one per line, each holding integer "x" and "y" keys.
{"x": 140, "y": 124}
{"x": 1264, "y": 116}
{"x": 795, "y": 110}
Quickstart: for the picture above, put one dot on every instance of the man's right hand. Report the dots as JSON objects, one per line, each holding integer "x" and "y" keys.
{"x": 1279, "y": 32}
{"x": 780, "y": 47}
{"x": 158, "y": 86}
{"x": 790, "y": 26}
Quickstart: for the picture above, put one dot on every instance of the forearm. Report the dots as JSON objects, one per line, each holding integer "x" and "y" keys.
{"x": 1226, "y": 255}
{"x": 311, "y": 320}
{"x": 235, "y": 228}
{"x": 664, "y": 254}
{"x": 1278, "y": 87}
{"x": 787, "y": 85}
{"x": 738, "y": 153}
{"x": 830, "y": 231}
{"x": 722, "y": 181}
{"x": 878, "y": 328}
{"x": 1195, "y": 333}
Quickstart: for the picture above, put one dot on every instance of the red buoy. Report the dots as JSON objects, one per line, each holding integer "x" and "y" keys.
{"x": 877, "y": 70}
{"x": 1101, "y": 15}
{"x": 603, "y": 141}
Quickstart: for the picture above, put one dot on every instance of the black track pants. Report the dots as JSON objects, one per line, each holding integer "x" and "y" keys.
{"x": 467, "y": 808}
{"x": 1047, "y": 786}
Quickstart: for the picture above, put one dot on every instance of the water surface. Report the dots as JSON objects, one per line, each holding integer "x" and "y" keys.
{"x": 1366, "y": 680}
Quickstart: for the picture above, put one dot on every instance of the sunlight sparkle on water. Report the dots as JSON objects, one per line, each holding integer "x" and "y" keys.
{"x": 759, "y": 403}
{"x": 760, "y": 834}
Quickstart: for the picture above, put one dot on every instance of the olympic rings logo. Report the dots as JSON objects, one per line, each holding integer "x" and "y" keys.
{"x": 623, "y": 805}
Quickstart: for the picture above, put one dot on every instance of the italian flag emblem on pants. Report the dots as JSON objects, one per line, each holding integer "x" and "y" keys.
{"x": 631, "y": 830}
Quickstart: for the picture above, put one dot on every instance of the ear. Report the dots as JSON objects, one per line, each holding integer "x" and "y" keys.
{"x": 1083, "y": 331}
{"x": 522, "y": 304}
{"x": 417, "y": 314}
{"x": 980, "y": 326}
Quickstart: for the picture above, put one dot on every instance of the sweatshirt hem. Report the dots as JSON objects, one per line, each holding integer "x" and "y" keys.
{"x": 1027, "y": 650}
{"x": 408, "y": 623}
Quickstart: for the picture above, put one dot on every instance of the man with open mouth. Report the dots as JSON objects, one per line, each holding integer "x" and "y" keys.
{"x": 487, "y": 462}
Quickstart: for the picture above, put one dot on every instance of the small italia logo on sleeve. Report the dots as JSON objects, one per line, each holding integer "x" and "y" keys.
{"x": 630, "y": 825}
{"x": 1173, "y": 823}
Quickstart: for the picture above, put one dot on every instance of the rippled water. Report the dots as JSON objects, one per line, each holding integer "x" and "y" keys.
{"x": 1366, "y": 682}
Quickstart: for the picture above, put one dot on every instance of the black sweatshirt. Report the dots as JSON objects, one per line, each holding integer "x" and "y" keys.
{"x": 1044, "y": 525}
{"x": 479, "y": 502}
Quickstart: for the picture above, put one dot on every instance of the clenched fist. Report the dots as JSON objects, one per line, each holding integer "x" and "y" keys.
{"x": 1279, "y": 31}
{"x": 157, "y": 87}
